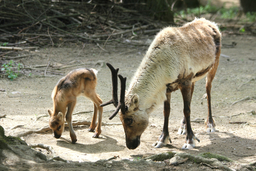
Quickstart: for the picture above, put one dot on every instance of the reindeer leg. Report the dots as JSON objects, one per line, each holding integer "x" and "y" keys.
{"x": 182, "y": 129}
{"x": 94, "y": 118}
{"x": 163, "y": 139}
{"x": 210, "y": 124}
{"x": 186, "y": 88}
{"x": 71, "y": 107}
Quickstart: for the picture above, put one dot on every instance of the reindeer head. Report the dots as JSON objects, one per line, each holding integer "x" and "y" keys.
{"x": 56, "y": 123}
{"x": 131, "y": 116}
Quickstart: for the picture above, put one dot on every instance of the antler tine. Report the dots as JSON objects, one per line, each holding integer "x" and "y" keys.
{"x": 114, "y": 99}
{"x": 122, "y": 93}
{"x": 121, "y": 104}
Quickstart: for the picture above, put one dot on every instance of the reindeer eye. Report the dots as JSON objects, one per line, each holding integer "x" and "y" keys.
{"x": 128, "y": 121}
{"x": 59, "y": 128}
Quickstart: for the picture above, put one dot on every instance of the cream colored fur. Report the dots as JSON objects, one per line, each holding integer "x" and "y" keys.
{"x": 175, "y": 52}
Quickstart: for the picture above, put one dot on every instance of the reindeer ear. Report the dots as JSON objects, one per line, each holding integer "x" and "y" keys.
{"x": 50, "y": 112}
{"x": 135, "y": 99}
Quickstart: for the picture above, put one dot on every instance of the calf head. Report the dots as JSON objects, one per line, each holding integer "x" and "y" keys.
{"x": 57, "y": 123}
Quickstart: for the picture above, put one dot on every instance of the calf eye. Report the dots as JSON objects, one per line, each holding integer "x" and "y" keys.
{"x": 59, "y": 128}
{"x": 128, "y": 121}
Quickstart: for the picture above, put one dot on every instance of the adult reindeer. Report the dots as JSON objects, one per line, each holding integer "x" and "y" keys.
{"x": 176, "y": 59}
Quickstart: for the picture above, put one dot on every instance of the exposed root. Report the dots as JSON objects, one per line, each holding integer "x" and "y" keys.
{"x": 161, "y": 156}
{"x": 212, "y": 161}
{"x": 48, "y": 148}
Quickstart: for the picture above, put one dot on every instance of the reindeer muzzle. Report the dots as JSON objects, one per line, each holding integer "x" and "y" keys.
{"x": 56, "y": 135}
{"x": 134, "y": 143}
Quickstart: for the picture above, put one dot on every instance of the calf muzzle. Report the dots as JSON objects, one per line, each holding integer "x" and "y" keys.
{"x": 56, "y": 135}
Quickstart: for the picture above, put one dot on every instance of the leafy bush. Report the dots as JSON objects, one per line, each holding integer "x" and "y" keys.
{"x": 11, "y": 69}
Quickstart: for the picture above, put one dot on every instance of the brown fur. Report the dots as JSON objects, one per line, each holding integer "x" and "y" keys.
{"x": 77, "y": 82}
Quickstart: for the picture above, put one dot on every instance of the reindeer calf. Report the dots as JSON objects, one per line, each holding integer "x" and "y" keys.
{"x": 64, "y": 95}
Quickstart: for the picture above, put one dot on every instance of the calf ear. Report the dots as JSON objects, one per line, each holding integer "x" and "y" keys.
{"x": 60, "y": 115}
{"x": 50, "y": 112}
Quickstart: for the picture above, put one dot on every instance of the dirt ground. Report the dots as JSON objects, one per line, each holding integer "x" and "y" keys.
{"x": 25, "y": 102}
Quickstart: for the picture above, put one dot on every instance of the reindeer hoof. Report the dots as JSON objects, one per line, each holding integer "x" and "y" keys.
{"x": 210, "y": 128}
{"x": 187, "y": 146}
{"x": 159, "y": 144}
{"x": 182, "y": 130}
{"x": 162, "y": 143}
{"x": 191, "y": 145}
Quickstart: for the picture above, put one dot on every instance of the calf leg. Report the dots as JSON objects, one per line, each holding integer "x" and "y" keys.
{"x": 98, "y": 128}
{"x": 182, "y": 129}
{"x": 71, "y": 107}
{"x": 163, "y": 139}
{"x": 97, "y": 101}
{"x": 186, "y": 88}
{"x": 94, "y": 118}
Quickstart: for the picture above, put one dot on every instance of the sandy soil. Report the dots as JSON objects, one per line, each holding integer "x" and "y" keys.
{"x": 26, "y": 100}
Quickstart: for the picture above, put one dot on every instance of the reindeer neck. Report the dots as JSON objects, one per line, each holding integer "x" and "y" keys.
{"x": 149, "y": 84}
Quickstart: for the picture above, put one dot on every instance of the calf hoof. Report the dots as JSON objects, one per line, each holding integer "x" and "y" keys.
{"x": 96, "y": 135}
{"x": 91, "y": 130}
{"x": 74, "y": 141}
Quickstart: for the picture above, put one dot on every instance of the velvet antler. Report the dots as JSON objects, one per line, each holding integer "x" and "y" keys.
{"x": 121, "y": 104}
{"x": 114, "y": 99}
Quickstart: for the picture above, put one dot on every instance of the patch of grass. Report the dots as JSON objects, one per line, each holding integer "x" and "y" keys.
{"x": 216, "y": 156}
{"x": 197, "y": 11}
{"x": 225, "y": 13}
{"x": 251, "y": 16}
{"x": 229, "y": 13}
{"x": 4, "y": 44}
{"x": 11, "y": 69}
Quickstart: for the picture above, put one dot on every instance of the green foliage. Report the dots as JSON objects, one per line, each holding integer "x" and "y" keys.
{"x": 197, "y": 11}
{"x": 251, "y": 16}
{"x": 11, "y": 69}
{"x": 229, "y": 13}
{"x": 242, "y": 30}
{"x": 4, "y": 44}
{"x": 224, "y": 13}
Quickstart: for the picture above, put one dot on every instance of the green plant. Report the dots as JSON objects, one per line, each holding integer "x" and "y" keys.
{"x": 251, "y": 16}
{"x": 4, "y": 44}
{"x": 197, "y": 11}
{"x": 11, "y": 69}
{"x": 242, "y": 30}
{"x": 229, "y": 13}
